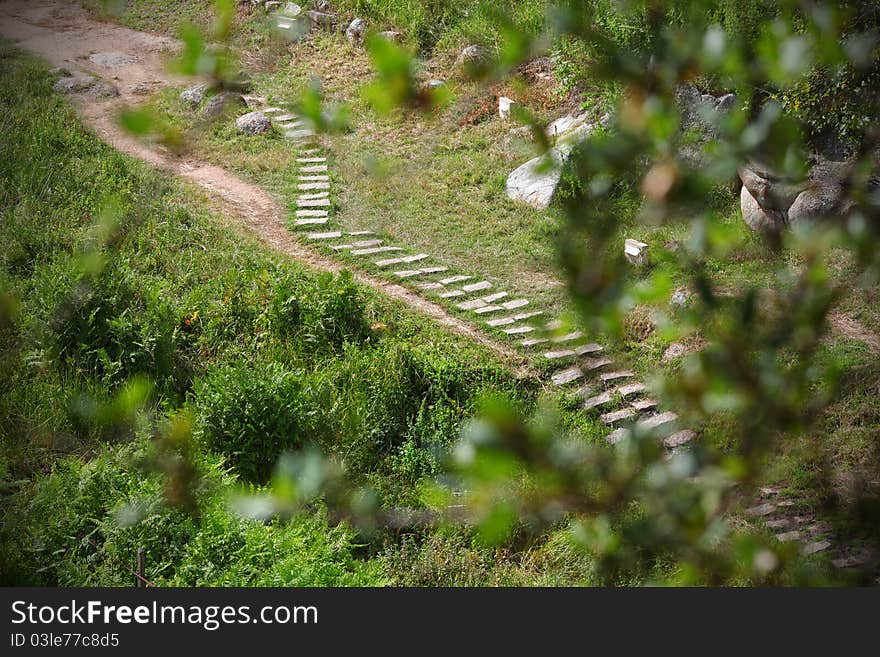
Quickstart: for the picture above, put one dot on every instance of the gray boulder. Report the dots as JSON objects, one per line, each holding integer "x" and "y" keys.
{"x": 222, "y": 103}
{"x": 535, "y": 182}
{"x": 356, "y": 31}
{"x": 473, "y": 56}
{"x": 770, "y": 191}
{"x": 756, "y": 217}
{"x": 85, "y": 84}
{"x": 322, "y": 19}
{"x": 194, "y": 95}
{"x": 253, "y": 123}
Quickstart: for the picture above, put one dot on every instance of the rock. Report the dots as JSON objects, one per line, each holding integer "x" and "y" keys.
{"x": 504, "y": 105}
{"x": 85, "y": 84}
{"x": 700, "y": 111}
{"x": 194, "y": 95}
{"x": 322, "y": 19}
{"x": 756, "y": 217}
{"x": 291, "y": 10}
{"x": 391, "y": 35}
{"x": 140, "y": 89}
{"x": 60, "y": 72}
{"x": 253, "y": 123}
{"x": 322, "y": 5}
{"x": 471, "y": 57}
{"x": 680, "y": 298}
{"x": 819, "y": 201}
{"x": 112, "y": 59}
{"x": 356, "y": 31}
{"x": 565, "y": 125}
{"x": 636, "y": 252}
{"x": 221, "y": 103}
{"x": 673, "y": 351}
{"x": 433, "y": 84}
{"x": 769, "y": 190}
{"x": 535, "y": 181}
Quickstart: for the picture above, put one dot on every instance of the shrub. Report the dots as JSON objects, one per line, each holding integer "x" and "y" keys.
{"x": 251, "y": 416}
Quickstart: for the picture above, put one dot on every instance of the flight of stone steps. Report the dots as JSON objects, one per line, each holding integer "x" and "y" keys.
{"x": 578, "y": 366}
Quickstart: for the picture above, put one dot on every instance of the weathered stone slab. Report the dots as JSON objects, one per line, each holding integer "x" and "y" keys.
{"x": 488, "y": 309}
{"x": 598, "y": 400}
{"x": 580, "y": 350}
{"x": 316, "y": 168}
{"x": 313, "y": 203}
{"x": 313, "y": 185}
{"x": 631, "y": 389}
{"x": 285, "y": 117}
{"x": 518, "y": 330}
{"x": 314, "y": 195}
{"x": 813, "y": 548}
{"x": 455, "y": 279}
{"x": 568, "y": 337}
{"x": 495, "y": 297}
{"x": 642, "y": 405}
{"x": 531, "y": 342}
{"x": 318, "y": 177}
{"x": 431, "y": 286}
{"x": 377, "y": 249}
{"x": 474, "y": 287}
{"x": 397, "y": 261}
{"x": 659, "y": 420}
{"x": 679, "y": 438}
{"x": 503, "y": 321}
{"x": 309, "y": 221}
{"x": 451, "y": 294}
{"x": 595, "y": 363}
{"x": 614, "y": 376}
{"x": 325, "y": 236}
{"x": 310, "y": 160}
{"x": 617, "y": 416}
{"x": 312, "y": 213}
{"x": 409, "y": 273}
{"x": 516, "y": 303}
{"x": 566, "y": 376}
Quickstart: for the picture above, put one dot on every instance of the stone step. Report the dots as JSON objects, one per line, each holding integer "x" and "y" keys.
{"x": 430, "y": 286}
{"x": 313, "y": 203}
{"x": 311, "y": 221}
{"x": 313, "y": 195}
{"x": 315, "y": 168}
{"x": 455, "y": 279}
{"x": 679, "y": 438}
{"x": 473, "y": 304}
{"x": 605, "y": 397}
{"x": 608, "y": 377}
{"x": 532, "y": 342}
{"x": 451, "y": 294}
{"x": 355, "y": 233}
{"x": 476, "y": 287}
{"x": 356, "y": 245}
{"x": 518, "y": 330}
{"x": 504, "y": 321}
{"x": 298, "y": 135}
{"x": 398, "y": 261}
{"x": 313, "y": 185}
{"x": 487, "y": 309}
{"x": 568, "y": 337}
{"x": 659, "y": 420}
{"x": 376, "y": 249}
{"x": 616, "y": 417}
{"x": 642, "y": 405}
{"x": 334, "y": 234}
{"x": 409, "y": 273}
{"x": 566, "y": 376}
{"x": 312, "y": 213}
{"x": 309, "y": 151}
{"x": 580, "y": 350}
{"x": 514, "y": 304}
{"x": 271, "y": 110}
{"x": 310, "y": 160}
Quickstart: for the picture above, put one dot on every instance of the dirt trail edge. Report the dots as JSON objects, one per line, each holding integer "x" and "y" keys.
{"x": 65, "y": 35}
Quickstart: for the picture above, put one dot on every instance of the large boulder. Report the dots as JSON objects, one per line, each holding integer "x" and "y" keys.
{"x": 770, "y": 191}
{"x": 756, "y": 217}
{"x": 699, "y": 115}
{"x": 253, "y": 123}
{"x": 535, "y": 181}
{"x": 472, "y": 58}
{"x": 85, "y": 84}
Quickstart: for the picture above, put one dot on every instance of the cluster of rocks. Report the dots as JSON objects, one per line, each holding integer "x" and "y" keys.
{"x": 217, "y": 105}
{"x": 771, "y": 202}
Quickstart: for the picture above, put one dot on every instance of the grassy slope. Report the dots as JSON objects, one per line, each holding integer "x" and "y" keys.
{"x": 445, "y": 194}
{"x": 58, "y": 471}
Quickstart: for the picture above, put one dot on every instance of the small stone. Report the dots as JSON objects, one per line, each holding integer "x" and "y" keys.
{"x": 356, "y": 31}
{"x": 390, "y": 35}
{"x": 673, "y": 351}
{"x": 679, "y": 438}
{"x": 253, "y": 123}
{"x": 194, "y": 95}
{"x": 472, "y": 57}
{"x": 761, "y": 510}
{"x": 85, "y": 84}
{"x": 817, "y": 546}
{"x": 504, "y": 106}
{"x": 636, "y": 252}
{"x": 787, "y": 537}
{"x": 680, "y": 297}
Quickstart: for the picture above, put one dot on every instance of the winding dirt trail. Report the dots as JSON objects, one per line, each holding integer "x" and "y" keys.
{"x": 65, "y": 35}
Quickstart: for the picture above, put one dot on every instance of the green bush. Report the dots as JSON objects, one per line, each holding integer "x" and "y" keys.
{"x": 251, "y": 416}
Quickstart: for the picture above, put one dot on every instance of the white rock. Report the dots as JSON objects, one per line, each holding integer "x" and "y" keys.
{"x": 504, "y": 105}
{"x": 253, "y": 123}
{"x": 535, "y": 181}
{"x": 356, "y": 31}
{"x": 636, "y": 252}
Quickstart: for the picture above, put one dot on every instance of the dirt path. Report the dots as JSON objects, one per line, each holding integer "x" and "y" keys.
{"x": 65, "y": 35}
